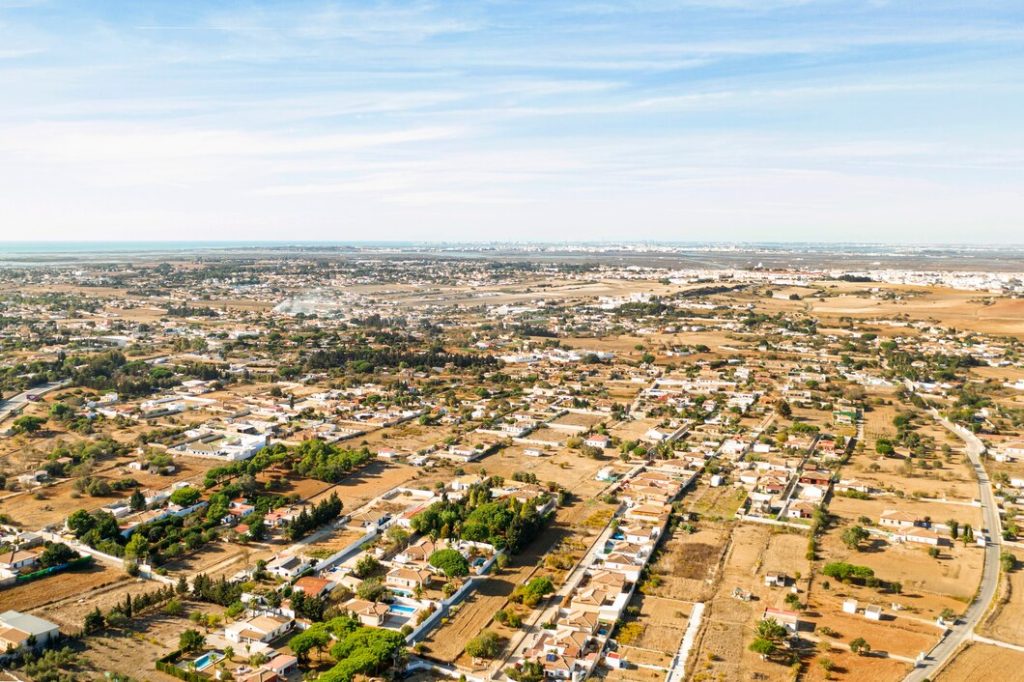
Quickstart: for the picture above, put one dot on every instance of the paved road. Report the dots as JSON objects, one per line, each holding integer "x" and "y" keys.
{"x": 964, "y": 629}
{"x": 17, "y": 402}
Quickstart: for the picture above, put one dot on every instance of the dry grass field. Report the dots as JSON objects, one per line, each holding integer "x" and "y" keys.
{"x": 58, "y": 588}
{"x": 954, "y": 481}
{"x": 848, "y": 666}
{"x": 688, "y": 564}
{"x": 984, "y": 662}
{"x": 566, "y": 467}
{"x": 929, "y": 584}
{"x": 1003, "y": 622}
{"x": 852, "y": 509}
{"x": 721, "y": 648}
{"x": 133, "y": 650}
{"x": 716, "y": 503}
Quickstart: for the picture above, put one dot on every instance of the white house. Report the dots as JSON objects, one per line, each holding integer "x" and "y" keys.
{"x": 258, "y": 629}
{"x": 287, "y": 567}
{"x": 17, "y": 627}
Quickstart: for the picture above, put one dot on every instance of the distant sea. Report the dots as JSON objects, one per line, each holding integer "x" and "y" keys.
{"x": 150, "y": 246}
{"x": 24, "y": 253}
{"x": 707, "y": 255}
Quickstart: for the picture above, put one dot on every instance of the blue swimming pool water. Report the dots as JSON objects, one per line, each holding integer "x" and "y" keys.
{"x": 204, "y": 661}
{"x": 401, "y": 608}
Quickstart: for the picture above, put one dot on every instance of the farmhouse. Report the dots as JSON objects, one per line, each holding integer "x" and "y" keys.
{"x": 894, "y": 518}
{"x": 789, "y": 619}
{"x": 924, "y": 536}
{"x": 16, "y": 628}
{"x": 258, "y": 629}
{"x": 286, "y": 567}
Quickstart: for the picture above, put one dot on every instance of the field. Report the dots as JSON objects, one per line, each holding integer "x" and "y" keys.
{"x": 721, "y": 648}
{"x": 983, "y": 662}
{"x": 929, "y": 584}
{"x": 848, "y": 666}
{"x": 69, "y": 584}
{"x": 566, "y": 467}
{"x": 50, "y": 505}
{"x": 687, "y": 564}
{"x": 133, "y": 650}
{"x": 1004, "y": 621}
{"x": 953, "y": 482}
{"x": 716, "y": 503}
{"x": 650, "y": 640}
{"x": 852, "y": 509}
{"x": 575, "y": 419}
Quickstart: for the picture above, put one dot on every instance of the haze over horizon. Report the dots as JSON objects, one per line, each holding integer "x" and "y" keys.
{"x": 691, "y": 121}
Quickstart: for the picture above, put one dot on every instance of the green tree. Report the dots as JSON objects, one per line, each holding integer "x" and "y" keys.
{"x": 853, "y": 536}
{"x": 191, "y": 640}
{"x": 137, "y": 501}
{"x": 55, "y": 554}
{"x": 367, "y": 566}
{"x": 94, "y": 621}
{"x": 528, "y": 671}
{"x": 137, "y": 547}
{"x": 763, "y": 647}
{"x": 783, "y": 409}
{"x": 485, "y": 645}
{"x": 770, "y": 629}
{"x": 968, "y": 534}
{"x": 27, "y": 424}
{"x": 174, "y": 608}
{"x": 532, "y": 592}
{"x": 186, "y": 496}
{"x": 860, "y": 646}
{"x": 451, "y": 562}
{"x": 371, "y": 589}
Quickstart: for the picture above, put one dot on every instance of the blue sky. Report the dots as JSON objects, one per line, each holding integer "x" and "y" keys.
{"x": 766, "y": 120}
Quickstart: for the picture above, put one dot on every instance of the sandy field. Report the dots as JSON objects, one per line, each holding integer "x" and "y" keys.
{"x": 1003, "y": 622}
{"x": 57, "y": 588}
{"x": 852, "y": 509}
{"x": 134, "y": 650}
{"x": 688, "y": 564}
{"x": 984, "y": 662}
{"x": 928, "y": 584}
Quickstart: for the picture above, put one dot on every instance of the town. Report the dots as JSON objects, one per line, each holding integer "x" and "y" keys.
{"x": 383, "y": 464}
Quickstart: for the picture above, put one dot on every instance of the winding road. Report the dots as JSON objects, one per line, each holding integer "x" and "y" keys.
{"x": 963, "y": 630}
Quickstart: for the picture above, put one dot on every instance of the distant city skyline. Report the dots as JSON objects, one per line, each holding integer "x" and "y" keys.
{"x": 692, "y": 121}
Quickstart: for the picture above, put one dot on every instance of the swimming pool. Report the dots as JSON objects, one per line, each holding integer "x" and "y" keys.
{"x": 401, "y": 608}
{"x": 204, "y": 661}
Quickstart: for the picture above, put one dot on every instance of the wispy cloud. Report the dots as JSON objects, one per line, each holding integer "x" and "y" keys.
{"x": 530, "y": 118}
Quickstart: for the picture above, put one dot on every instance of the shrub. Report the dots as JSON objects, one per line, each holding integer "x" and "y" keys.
{"x": 191, "y": 640}
{"x": 451, "y": 562}
{"x": 532, "y": 592}
{"x": 485, "y": 645}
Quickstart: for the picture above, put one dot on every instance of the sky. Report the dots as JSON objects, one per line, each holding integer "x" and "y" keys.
{"x": 480, "y": 120}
